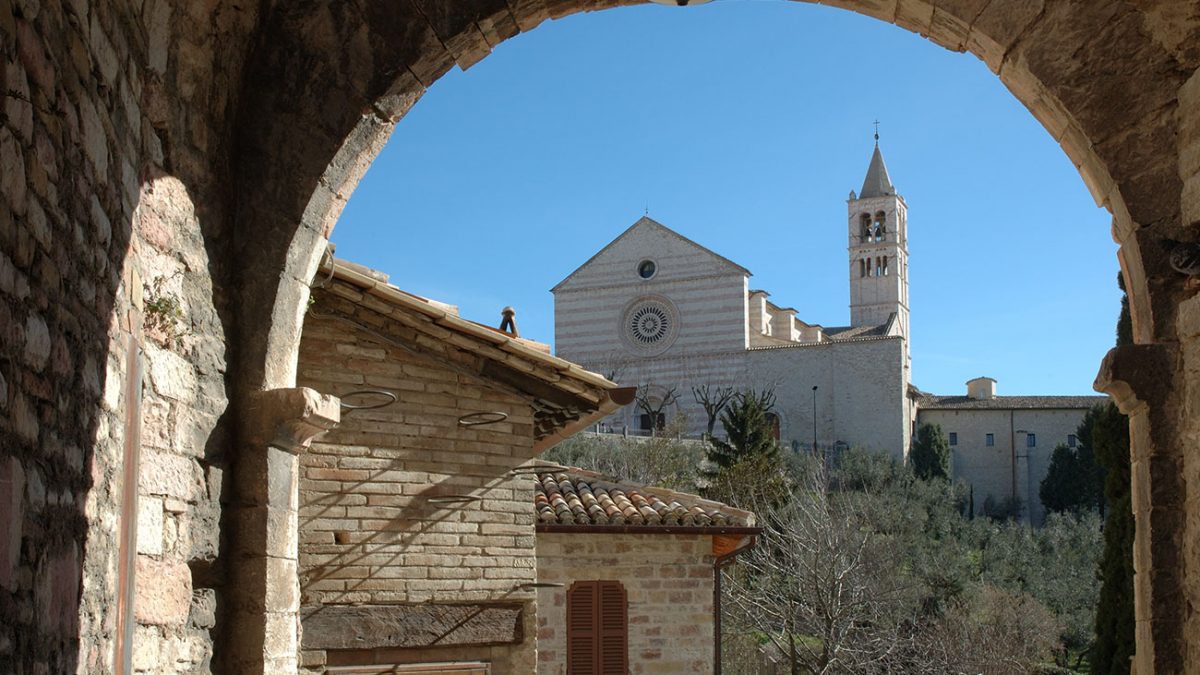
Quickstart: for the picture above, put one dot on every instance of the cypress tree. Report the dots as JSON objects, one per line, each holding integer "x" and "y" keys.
{"x": 1114, "y": 613}
{"x": 930, "y": 456}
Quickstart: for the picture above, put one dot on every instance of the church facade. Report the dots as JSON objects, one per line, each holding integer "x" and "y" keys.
{"x": 660, "y": 311}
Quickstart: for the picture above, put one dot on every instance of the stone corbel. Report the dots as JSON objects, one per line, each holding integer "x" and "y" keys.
{"x": 1137, "y": 375}
{"x": 289, "y": 419}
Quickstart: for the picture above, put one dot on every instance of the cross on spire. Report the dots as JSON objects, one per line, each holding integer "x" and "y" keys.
{"x": 876, "y": 132}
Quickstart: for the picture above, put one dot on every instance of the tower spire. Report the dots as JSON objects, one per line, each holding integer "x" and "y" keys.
{"x": 877, "y": 183}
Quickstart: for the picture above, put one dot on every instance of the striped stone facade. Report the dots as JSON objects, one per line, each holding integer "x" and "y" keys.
{"x": 726, "y": 334}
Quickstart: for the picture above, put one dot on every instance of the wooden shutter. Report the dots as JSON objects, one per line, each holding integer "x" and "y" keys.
{"x": 582, "y": 642}
{"x": 597, "y": 629}
{"x": 614, "y": 629}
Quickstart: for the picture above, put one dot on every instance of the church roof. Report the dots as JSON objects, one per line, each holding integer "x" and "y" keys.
{"x": 935, "y": 402}
{"x": 646, "y": 221}
{"x": 877, "y": 182}
{"x": 836, "y": 333}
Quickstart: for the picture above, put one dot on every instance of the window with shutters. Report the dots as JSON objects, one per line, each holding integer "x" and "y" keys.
{"x": 597, "y": 629}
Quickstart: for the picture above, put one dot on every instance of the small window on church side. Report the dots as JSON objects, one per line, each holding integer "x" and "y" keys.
{"x": 885, "y": 266}
{"x": 989, "y": 440}
{"x": 646, "y": 269}
{"x": 953, "y": 438}
{"x": 862, "y": 267}
{"x": 879, "y": 267}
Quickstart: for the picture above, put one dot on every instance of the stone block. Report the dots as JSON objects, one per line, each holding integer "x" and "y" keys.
{"x": 150, "y": 526}
{"x": 171, "y": 375}
{"x": 169, "y": 475}
{"x": 37, "y": 342}
{"x": 163, "y": 592}
{"x": 204, "y": 608}
{"x": 147, "y": 642}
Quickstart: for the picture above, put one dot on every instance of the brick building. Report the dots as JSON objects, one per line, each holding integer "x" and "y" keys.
{"x": 628, "y": 575}
{"x": 416, "y": 531}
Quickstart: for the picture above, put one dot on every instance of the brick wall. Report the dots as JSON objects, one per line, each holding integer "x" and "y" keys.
{"x": 367, "y": 533}
{"x": 669, "y": 584}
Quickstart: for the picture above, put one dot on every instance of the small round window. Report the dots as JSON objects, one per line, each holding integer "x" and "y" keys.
{"x": 646, "y": 269}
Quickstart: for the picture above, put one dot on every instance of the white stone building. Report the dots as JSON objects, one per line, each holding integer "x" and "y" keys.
{"x": 658, "y": 310}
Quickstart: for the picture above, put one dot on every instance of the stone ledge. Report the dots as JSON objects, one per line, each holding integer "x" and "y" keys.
{"x": 410, "y": 626}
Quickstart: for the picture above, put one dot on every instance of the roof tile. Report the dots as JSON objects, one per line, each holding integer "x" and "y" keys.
{"x": 580, "y": 497}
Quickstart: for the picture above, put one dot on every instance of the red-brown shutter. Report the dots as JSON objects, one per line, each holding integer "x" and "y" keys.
{"x": 582, "y": 604}
{"x": 597, "y": 629}
{"x": 614, "y": 629}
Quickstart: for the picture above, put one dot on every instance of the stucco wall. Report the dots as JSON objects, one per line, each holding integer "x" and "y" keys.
{"x": 668, "y": 580}
{"x": 369, "y": 536}
{"x": 989, "y": 470}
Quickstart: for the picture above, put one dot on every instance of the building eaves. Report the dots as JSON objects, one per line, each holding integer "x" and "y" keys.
{"x": 519, "y": 364}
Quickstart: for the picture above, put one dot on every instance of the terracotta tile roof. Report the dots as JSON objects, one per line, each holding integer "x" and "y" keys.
{"x": 934, "y": 402}
{"x": 584, "y": 499}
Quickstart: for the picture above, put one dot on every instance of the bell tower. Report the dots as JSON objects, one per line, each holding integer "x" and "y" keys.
{"x": 878, "y": 229}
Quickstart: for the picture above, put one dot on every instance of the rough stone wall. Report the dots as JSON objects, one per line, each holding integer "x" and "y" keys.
{"x": 113, "y": 119}
{"x": 668, "y": 582}
{"x": 368, "y": 533}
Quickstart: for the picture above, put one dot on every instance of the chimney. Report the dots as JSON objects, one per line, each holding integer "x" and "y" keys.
{"x": 981, "y": 388}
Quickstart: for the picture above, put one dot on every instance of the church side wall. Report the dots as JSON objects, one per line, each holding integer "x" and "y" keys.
{"x": 989, "y": 470}
{"x": 860, "y": 392}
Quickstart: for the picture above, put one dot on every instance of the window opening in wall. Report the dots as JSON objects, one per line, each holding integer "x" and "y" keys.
{"x": 989, "y": 440}
{"x": 885, "y": 266}
{"x": 878, "y": 267}
{"x": 865, "y": 228}
{"x": 647, "y": 269}
{"x": 880, "y": 228}
{"x": 1031, "y": 440}
{"x": 597, "y": 628}
{"x": 648, "y": 425}
{"x": 953, "y": 438}
{"x": 1071, "y": 440}
{"x": 773, "y": 425}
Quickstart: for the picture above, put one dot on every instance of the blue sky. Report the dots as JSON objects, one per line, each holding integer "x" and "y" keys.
{"x": 744, "y": 125}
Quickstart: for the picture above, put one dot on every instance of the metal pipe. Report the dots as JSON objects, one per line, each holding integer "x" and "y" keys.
{"x": 127, "y": 546}
{"x": 720, "y": 563}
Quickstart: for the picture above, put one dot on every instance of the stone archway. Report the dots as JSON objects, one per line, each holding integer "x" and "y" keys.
{"x": 1114, "y": 84}
{"x": 222, "y": 138}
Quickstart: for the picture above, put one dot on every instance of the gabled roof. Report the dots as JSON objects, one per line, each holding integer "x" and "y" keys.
{"x": 574, "y": 499}
{"x": 647, "y": 221}
{"x": 877, "y": 182}
{"x": 564, "y": 396}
